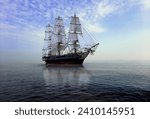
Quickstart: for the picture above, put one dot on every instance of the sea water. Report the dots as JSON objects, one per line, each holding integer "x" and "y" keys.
{"x": 104, "y": 81}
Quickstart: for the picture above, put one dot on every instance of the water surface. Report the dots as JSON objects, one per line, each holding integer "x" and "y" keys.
{"x": 105, "y": 81}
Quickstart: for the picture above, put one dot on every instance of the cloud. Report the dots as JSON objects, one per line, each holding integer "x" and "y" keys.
{"x": 7, "y": 27}
{"x": 92, "y": 15}
{"x": 104, "y": 8}
{"x": 24, "y": 14}
{"x": 95, "y": 28}
{"x": 145, "y": 3}
{"x": 11, "y": 34}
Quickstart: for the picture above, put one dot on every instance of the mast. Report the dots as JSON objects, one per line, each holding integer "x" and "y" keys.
{"x": 59, "y": 36}
{"x": 74, "y": 31}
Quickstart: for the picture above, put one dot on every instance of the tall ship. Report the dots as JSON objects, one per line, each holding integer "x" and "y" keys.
{"x": 70, "y": 48}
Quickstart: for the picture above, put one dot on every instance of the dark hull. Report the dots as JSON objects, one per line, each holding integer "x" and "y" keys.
{"x": 66, "y": 59}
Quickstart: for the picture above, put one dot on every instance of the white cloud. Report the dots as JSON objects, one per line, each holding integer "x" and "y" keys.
{"x": 89, "y": 24}
{"x": 92, "y": 14}
{"x": 39, "y": 13}
{"x": 95, "y": 28}
{"x": 145, "y": 3}
{"x": 104, "y": 8}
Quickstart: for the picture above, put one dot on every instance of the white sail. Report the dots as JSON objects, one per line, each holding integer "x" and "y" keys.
{"x": 48, "y": 32}
{"x": 73, "y": 37}
{"x": 59, "y": 26}
{"x": 59, "y": 31}
{"x": 58, "y": 38}
{"x": 75, "y": 20}
{"x": 74, "y": 31}
{"x": 47, "y": 40}
{"x": 46, "y": 45}
{"x": 59, "y": 21}
{"x": 54, "y": 39}
{"x": 75, "y": 26}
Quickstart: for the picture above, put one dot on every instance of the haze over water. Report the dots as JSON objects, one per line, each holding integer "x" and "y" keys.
{"x": 104, "y": 81}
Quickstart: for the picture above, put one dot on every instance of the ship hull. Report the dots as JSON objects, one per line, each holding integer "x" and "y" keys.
{"x": 66, "y": 59}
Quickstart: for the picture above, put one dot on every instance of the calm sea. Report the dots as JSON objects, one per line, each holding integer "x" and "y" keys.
{"x": 105, "y": 81}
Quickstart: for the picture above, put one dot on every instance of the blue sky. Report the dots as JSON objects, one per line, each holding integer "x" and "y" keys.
{"x": 122, "y": 27}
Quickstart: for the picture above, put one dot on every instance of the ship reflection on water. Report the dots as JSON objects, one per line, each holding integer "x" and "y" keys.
{"x": 66, "y": 83}
{"x": 68, "y": 75}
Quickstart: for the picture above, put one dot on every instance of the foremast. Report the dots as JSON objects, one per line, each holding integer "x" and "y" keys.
{"x": 77, "y": 35}
{"x": 74, "y": 30}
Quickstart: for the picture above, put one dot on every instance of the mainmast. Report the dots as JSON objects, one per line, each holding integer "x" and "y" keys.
{"x": 74, "y": 31}
{"x": 59, "y": 35}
